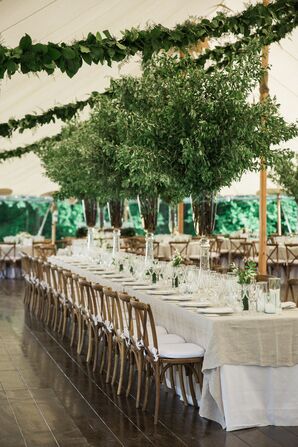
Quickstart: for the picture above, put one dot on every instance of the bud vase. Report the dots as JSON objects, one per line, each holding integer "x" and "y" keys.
{"x": 245, "y": 296}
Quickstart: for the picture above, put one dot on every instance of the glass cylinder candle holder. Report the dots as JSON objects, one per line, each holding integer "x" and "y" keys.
{"x": 261, "y": 295}
{"x": 149, "y": 249}
{"x": 204, "y": 254}
{"x": 274, "y": 293}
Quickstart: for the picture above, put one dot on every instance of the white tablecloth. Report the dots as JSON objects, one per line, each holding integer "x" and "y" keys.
{"x": 236, "y": 396}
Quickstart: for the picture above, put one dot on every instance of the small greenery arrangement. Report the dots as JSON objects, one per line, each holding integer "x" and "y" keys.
{"x": 177, "y": 259}
{"x": 245, "y": 277}
{"x": 247, "y": 274}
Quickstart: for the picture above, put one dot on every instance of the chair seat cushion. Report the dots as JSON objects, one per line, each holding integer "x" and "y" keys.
{"x": 166, "y": 339}
{"x": 180, "y": 350}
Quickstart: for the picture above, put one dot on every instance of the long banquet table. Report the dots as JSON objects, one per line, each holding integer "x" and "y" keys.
{"x": 251, "y": 360}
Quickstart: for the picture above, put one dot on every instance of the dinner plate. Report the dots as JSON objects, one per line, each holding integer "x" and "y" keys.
{"x": 152, "y": 287}
{"x": 216, "y": 311}
{"x": 162, "y": 292}
{"x": 114, "y": 277}
{"x": 174, "y": 298}
{"x": 194, "y": 304}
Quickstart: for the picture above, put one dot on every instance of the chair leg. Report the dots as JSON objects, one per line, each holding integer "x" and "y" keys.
{"x": 130, "y": 373}
{"x": 116, "y": 357}
{"x": 103, "y": 356}
{"x": 109, "y": 355}
{"x": 139, "y": 363}
{"x": 95, "y": 354}
{"x": 191, "y": 386}
{"x": 147, "y": 386}
{"x": 157, "y": 392}
{"x": 122, "y": 364}
{"x": 181, "y": 380}
{"x": 90, "y": 343}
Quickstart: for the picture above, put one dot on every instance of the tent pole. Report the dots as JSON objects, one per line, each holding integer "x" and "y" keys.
{"x": 264, "y": 92}
{"x": 54, "y": 210}
{"x": 181, "y": 217}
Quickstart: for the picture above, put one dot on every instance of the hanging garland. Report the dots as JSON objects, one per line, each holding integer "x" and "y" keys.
{"x": 250, "y": 24}
{"x": 222, "y": 55}
{"x": 64, "y": 113}
{"x": 20, "y": 151}
{"x": 29, "y": 57}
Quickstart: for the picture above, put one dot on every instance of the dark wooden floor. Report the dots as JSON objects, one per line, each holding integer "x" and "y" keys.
{"x": 48, "y": 398}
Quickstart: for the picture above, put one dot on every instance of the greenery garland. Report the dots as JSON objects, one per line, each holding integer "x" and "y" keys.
{"x": 257, "y": 20}
{"x": 23, "y": 150}
{"x": 64, "y": 113}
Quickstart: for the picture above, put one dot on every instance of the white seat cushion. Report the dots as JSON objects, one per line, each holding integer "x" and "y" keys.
{"x": 181, "y": 350}
{"x": 166, "y": 339}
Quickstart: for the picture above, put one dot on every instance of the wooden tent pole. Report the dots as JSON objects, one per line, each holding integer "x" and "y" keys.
{"x": 264, "y": 92}
{"x": 181, "y": 217}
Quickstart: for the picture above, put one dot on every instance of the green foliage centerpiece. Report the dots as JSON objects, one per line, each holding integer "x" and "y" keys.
{"x": 245, "y": 277}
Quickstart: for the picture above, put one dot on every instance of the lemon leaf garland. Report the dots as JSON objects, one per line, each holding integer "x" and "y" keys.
{"x": 257, "y": 20}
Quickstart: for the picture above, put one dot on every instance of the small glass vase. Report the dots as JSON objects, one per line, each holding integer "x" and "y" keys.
{"x": 116, "y": 242}
{"x": 149, "y": 250}
{"x": 204, "y": 254}
{"x": 90, "y": 238}
{"x": 245, "y": 296}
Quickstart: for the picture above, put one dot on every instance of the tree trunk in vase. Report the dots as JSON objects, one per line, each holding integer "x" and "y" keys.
{"x": 204, "y": 215}
{"x": 149, "y": 210}
{"x": 116, "y": 212}
{"x": 90, "y": 211}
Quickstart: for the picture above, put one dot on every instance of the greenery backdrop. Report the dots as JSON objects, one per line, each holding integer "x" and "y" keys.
{"x": 232, "y": 215}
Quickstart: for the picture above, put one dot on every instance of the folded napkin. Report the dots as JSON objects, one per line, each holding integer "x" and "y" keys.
{"x": 288, "y": 305}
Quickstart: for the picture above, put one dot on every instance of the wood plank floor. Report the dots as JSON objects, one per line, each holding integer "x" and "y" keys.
{"x": 49, "y": 397}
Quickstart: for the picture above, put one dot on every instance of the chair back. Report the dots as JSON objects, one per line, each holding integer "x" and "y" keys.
{"x": 114, "y": 320}
{"x": 272, "y": 253}
{"x": 236, "y": 245}
{"x": 180, "y": 247}
{"x": 292, "y": 254}
{"x": 145, "y": 325}
{"x": 8, "y": 251}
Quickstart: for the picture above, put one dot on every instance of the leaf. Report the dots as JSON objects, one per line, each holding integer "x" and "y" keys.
{"x": 25, "y": 42}
{"x": 11, "y": 67}
{"x": 68, "y": 53}
{"x": 107, "y": 34}
{"x": 54, "y": 52}
{"x": 84, "y": 49}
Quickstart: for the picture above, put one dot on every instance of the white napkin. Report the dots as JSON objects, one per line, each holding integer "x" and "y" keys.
{"x": 288, "y": 305}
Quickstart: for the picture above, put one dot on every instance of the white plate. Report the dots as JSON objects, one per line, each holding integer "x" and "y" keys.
{"x": 175, "y": 298}
{"x": 144, "y": 287}
{"x": 162, "y": 292}
{"x": 194, "y": 304}
{"x": 216, "y": 311}
{"x": 114, "y": 277}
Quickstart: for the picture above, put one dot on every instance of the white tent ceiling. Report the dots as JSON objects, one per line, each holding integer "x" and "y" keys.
{"x": 67, "y": 20}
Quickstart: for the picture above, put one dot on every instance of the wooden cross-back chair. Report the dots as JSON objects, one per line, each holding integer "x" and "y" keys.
{"x": 7, "y": 256}
{"x": 273, "y": 258}
{"x": 158, "y": 359}
{"x": 292, "y": 263}
{"x": 235, "y": 250}
{"x": 179, "y": 247}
